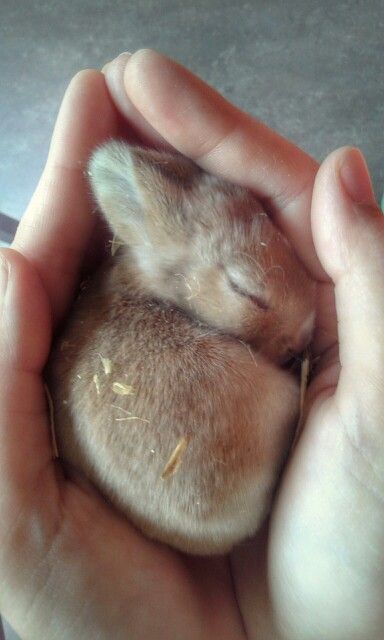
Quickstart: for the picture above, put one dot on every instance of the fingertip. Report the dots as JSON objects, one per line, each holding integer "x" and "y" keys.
{"x": 59, "y": 221}
{"x": 326, "y": 177}
{"x": 83, "y": 82}
{"x": 138, "y": 127}
{"x": 176, "y": 103}
{"x": 83, "y": 74}
{"x": 25, "y": 316}
{"x": 124, "y": 55}
{"x": 343, "y": 203}
{"x": 137, "y": 74}
{"x": 144, "y": 57}
{"x": 146, "y": 66}
{"x": 348, "y": 232}
{"x": 349, "y": 165}
{"x": 86, "y": 94}
{"x": 355, "y": 177}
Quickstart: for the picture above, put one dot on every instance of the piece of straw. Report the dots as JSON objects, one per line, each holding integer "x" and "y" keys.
{"x": 175, "y": 459}
{"x": 96, "y": 382}
{"x": 107, "y": 364}
{"x": 122, "y": 389}
{"x": 115, "y": 244}
{"x": 303, "y": 383}
{"x": 51, "y": 421}
{"x": 304, "y": 375}
{"x": 129, "y": 415}
{"x": 128, "y": 418}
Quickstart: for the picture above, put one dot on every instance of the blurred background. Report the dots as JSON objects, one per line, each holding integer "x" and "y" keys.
{"x": 311, "y": 70}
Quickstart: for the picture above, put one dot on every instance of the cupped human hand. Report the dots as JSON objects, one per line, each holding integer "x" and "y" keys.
{"x": 326, "y": 562}
{"x": 323, "y": 557}
{"x": 72, "y": 567}
{"x": 316, "y": 571}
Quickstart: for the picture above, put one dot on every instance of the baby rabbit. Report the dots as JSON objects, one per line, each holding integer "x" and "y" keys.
{"x": 166, "y": 382}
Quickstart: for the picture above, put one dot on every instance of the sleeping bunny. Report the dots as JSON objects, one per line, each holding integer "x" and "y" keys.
{"x": 167, "y": 381}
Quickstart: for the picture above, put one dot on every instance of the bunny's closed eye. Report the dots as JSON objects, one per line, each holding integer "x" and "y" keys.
{"x": 258, "y": 299}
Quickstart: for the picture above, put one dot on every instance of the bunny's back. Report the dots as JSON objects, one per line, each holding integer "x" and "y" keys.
{"x": 134, "y": 378}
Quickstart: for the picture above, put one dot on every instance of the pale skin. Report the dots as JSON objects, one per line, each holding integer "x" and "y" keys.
{"x": 70, "y": 566}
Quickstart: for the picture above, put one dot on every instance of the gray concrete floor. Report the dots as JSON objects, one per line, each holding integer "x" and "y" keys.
{"x": 312, "y": 70}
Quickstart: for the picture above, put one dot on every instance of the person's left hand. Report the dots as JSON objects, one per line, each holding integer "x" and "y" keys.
{"x": 70, "y": 566}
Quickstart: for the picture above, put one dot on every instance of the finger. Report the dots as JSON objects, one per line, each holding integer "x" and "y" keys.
{"x": 201, "y": 124}
{"x": 348, "y": 230}
{"x": 114, "y": 78}
{"x": 57, "y": 226}
{"x": 25, "y": 328}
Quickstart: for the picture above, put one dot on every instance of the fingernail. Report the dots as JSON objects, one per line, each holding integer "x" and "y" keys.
{"x": 126, "y": 54}
{"x": 355, "y": 177}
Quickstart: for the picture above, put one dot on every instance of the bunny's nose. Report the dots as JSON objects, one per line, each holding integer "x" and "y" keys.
{"x": 305, "y": 332}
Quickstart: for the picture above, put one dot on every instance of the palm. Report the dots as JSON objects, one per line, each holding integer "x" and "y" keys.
{"x": 120, "y": 567}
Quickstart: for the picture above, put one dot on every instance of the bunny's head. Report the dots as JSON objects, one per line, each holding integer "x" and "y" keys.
{"x": 206, "y": 246}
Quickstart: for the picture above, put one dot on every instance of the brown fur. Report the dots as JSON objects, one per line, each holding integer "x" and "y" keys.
{"x": 203, "y": 275}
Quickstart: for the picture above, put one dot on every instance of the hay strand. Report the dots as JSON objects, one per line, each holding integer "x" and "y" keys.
{"x": 115, "y": 244}
{"x": 122, "y": 389}
{"x": 107, "y": 364}
{"x": 175, "y": 459}
{"x": 96, "y": 382}
{"x": 304, "y": 376}
{"x": 51, "y": 421}
{"x": 131, "y": 418}
{"x": 128, "y": 416}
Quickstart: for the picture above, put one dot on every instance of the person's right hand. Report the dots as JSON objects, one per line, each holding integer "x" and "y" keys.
{"x": 318, "y": 573}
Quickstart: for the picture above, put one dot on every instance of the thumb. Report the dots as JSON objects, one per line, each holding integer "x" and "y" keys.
{"x": 25, "y": 446}
{"x": 348, "y": 231}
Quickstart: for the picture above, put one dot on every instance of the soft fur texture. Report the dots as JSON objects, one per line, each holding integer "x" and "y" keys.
{"x": 202, "y": 303}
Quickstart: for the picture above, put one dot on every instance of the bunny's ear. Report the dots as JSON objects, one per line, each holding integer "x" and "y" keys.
{"x": 141, "y": 191}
